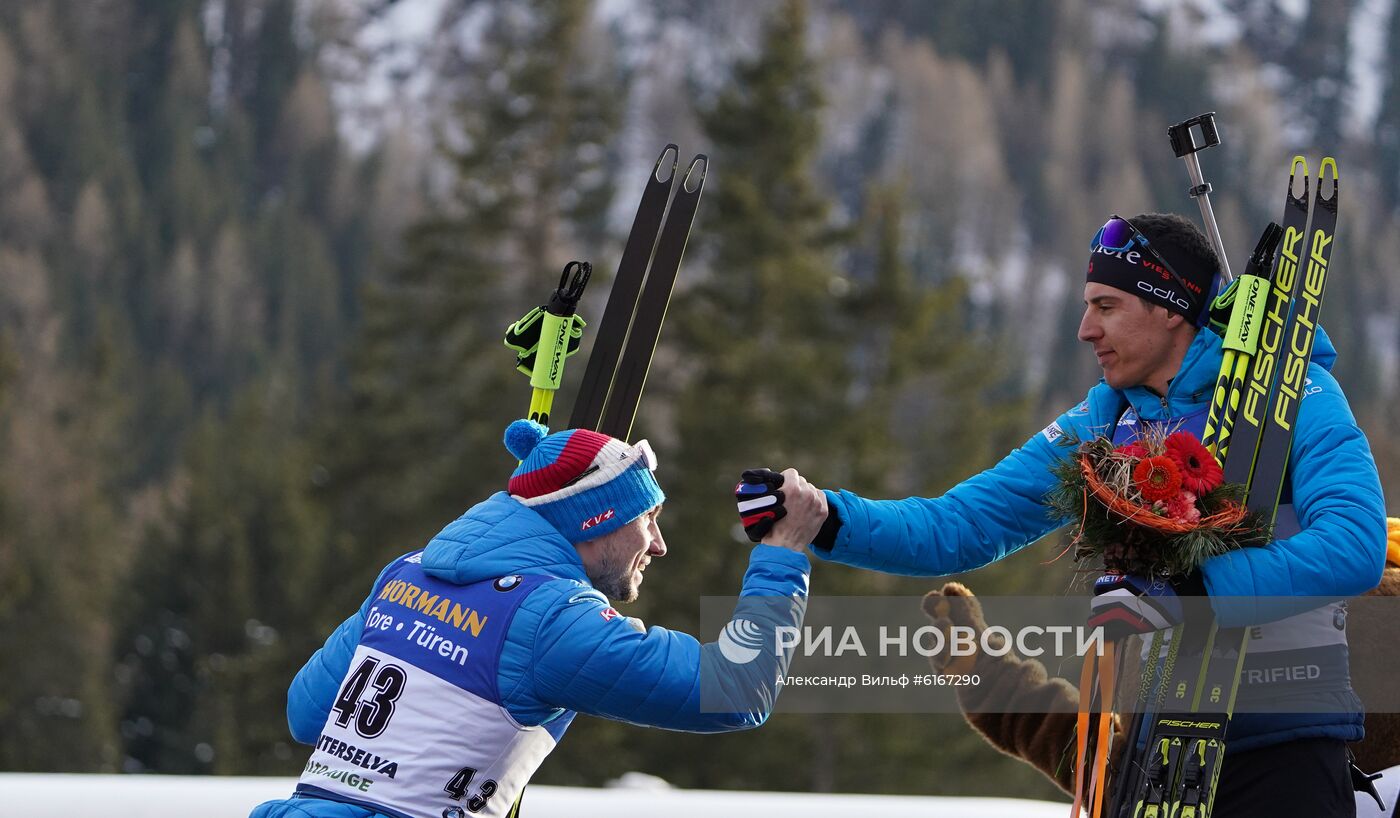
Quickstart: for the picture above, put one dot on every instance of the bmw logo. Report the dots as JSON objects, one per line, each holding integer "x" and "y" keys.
{"x": 454, "y": 812}
{"x": 507, "y": 583}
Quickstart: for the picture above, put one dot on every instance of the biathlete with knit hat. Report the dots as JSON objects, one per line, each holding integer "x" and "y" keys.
{"x": 445, "y": 691}
{"x": 1146, "y": 297}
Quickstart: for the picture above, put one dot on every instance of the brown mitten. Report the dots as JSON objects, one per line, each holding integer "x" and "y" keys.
{"x": 1016, "y": 705}
{"x": 1371, "y": 635}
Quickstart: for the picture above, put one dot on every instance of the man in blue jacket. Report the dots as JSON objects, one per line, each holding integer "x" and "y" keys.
{"x": 463, "y": 668}
{"x": 1142, "y": 320}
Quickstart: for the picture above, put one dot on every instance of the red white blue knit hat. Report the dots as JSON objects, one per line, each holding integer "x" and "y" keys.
{"x": 585, "y": 483}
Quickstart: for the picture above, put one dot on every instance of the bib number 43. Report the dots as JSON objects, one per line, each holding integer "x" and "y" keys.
{"x": 457, "y": 789}
{"x": 369, "y": 712}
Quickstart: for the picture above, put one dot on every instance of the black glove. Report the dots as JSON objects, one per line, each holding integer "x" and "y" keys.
{"x": 760, "y": 499}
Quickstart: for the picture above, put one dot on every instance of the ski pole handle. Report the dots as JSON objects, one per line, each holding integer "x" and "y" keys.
{"x": 549, "y": 360}
{"x": 558, "y": 331}
{"x": 1184, "y": 145}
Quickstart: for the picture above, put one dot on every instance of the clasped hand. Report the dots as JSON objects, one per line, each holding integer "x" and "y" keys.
{"x": 781, "y": 509}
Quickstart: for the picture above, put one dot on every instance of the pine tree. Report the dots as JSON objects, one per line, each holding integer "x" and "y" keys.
{"x": 216, "y": 637}
{"x": 751, "y": 366}
{"x": 145, "y": 279}
{"x": 761, "y": 330}
{"x": 1024, "y": 30}
{"x": 66, "y": 408}
{"x": 1387, "y": 132}
{"x": 1319, "y": 62}
{"x": 65, "y": 544}
{"x": 431, "y": 387}
{"x": 777, "y": 356}
{"x": 930, "y": 404}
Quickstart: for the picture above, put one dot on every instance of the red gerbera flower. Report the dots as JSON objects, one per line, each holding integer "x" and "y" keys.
{"x": 1199, "y": 471}
{"x": 1157, "y": 478}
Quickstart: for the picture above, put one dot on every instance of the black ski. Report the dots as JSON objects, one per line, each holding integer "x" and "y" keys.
{"x": 626, "y": 393}
{"x": 1248, "y": 426}
{"x": 622, "y": 300}
{"x": 1266, "y": 478}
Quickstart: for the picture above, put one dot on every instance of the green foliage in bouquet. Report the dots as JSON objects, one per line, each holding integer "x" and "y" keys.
{"x": 1157, "y": 506}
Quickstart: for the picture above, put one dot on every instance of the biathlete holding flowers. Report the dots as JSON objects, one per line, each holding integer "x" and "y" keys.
{"x": 1148, "y": 288}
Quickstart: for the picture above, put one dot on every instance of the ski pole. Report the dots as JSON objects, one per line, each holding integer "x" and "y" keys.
{"x": 1241, "y": 341}
{"x": 1184, "y": 145}
{"x": 555, "y": 329}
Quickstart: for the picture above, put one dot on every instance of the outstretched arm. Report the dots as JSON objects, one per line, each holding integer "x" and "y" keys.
{"x": 590, "y": 659}
{"x": 979, "y": 521}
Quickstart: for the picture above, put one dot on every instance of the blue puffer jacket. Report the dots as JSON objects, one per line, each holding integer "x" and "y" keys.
{"x": 564, "y": 650}
{"x": 1338, "y": 552}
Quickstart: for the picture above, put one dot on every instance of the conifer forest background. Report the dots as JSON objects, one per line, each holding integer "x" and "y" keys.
{"x": 256, "y": 259}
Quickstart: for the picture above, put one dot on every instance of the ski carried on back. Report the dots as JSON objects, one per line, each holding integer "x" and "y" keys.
{"x": 617, "y": 368}
{"x": 1248, "y": 425}
{"x": 627, "y": 285}
{"x": 1175, "y": 771}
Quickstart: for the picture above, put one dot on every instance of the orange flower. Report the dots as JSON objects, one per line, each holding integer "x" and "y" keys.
{"x": 1157, "y": 478}
{"x": 1199, "y": 471}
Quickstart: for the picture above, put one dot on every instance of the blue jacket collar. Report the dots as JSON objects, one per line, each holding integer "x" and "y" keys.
{"x": 1190, "y": 390}
{"x": 1191, "y": 387}
{"x": 499, "y": 537}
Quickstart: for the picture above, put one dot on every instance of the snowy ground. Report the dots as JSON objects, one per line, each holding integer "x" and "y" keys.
{"x": 152, "y": 796}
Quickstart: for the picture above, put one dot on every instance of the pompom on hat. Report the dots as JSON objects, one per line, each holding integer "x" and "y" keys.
{"x": 585, "y": 483}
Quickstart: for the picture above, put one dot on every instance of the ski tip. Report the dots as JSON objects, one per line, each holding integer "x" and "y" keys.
{"x": 1323, "y": 173}
{"x": 695, "y": 174}
{"x": 1294, "y": 175}
{"x": 663, "y": 165}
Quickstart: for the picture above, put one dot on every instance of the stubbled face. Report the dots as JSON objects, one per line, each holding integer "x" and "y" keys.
{"x": 615, "y": 561}
{"x": 1135, "y": 342}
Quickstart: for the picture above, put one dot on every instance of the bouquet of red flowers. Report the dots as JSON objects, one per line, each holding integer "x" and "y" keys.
{"x": 1156, "y": 506}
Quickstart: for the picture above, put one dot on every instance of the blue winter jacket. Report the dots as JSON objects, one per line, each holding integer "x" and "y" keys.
{"x": 1338, "y": 552}
{"x": 565, "y": 648}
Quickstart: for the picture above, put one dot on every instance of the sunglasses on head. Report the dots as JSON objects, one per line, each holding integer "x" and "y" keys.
{"x": 1118, "y": 235}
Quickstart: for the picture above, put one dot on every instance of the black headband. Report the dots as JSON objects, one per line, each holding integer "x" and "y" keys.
{"x": 1141, "y": 273}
